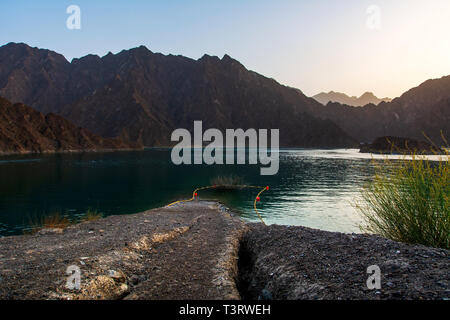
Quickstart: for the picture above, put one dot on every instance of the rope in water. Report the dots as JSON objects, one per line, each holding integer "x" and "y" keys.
{"x": 257, "y": 199}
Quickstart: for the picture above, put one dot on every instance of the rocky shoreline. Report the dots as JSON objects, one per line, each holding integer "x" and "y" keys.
{"x": 25, "y": 130}
{"x": 75, "y": 151}
{"x": 199, "y": 250}
{"x": 402, "y": 146}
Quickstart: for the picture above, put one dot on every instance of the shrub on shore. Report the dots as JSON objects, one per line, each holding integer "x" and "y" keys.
{"x": 52, "y": 221}
{"x": 227, "y": 182}
{"x": 408, "y": 201}
{"x": 57, "y": 220}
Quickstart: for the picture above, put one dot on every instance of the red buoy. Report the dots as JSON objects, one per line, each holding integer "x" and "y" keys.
{"x": 258, "y": 199}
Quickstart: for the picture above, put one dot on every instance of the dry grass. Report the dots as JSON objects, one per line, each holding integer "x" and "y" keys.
{"x": 227, "y": 182}
{"x": 53, "y": 221}
{"x": 56, "y": 221}
{"x": 59, "y": 221}
{"x": 91, "y": 215}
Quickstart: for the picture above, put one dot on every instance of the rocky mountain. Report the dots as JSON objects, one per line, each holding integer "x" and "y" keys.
{"x": 342, "y": 98}
{"x": 23, "y": 130}
{"x": 399, "y": 145}
{"x": 419, "y": 112}
{"x": 141, "y": 96}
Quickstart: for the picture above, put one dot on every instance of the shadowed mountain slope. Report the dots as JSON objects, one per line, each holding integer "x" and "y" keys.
{"x": 422, "y": 110}
{"x": 141, "y": 96}
{"x": 23, "y": 129}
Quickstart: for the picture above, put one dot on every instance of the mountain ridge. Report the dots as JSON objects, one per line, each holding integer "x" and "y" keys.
{"x": 25, "y": 130}
{"x": 141, "y": 96}
{"x": 365, "y": 99}
{"x": 423, "y": 112}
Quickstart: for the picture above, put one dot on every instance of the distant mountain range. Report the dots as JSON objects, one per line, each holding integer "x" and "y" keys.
{"x": 342, "y": 98}
{"x": 421, "y": 113}
{"x": 24, "y": 130}
{"x": 141, "y": 97}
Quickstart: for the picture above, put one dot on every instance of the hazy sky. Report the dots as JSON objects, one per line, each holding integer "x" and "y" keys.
{"x": 312, "y": 45}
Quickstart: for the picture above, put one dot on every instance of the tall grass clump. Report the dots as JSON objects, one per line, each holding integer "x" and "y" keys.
{"x": 408, "y": 201}
{"x": 227, "y": 182}
{"x": 54, "y": 220}
{"x": 91, "y": 215}
{"x": 58, "y": 220}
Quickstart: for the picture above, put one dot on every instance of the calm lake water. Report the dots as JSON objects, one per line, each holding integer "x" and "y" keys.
{"x": 314, "y": 188}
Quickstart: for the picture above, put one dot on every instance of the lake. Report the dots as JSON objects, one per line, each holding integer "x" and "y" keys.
{"x": 313, "y": 188}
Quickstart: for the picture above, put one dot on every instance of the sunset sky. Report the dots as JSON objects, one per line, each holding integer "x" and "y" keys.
{"x": 312, "y": 45}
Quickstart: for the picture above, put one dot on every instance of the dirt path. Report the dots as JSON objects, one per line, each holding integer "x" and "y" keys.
{"x": 187, "y": 251}
{"x": 191, "y": 251}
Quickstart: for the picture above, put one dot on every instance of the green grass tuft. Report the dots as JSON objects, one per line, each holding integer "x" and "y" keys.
{"x": 408, "y": 201}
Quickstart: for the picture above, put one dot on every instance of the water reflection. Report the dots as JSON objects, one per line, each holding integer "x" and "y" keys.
{"x": 313, "y": 188}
